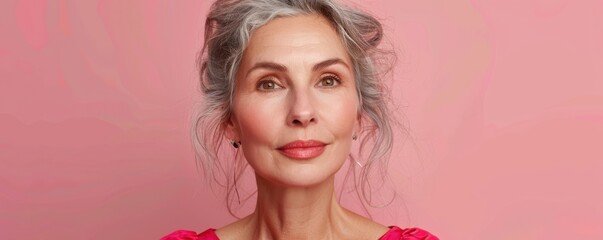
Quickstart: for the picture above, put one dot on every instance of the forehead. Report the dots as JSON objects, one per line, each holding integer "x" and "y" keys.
{"x": 296, "y": 37}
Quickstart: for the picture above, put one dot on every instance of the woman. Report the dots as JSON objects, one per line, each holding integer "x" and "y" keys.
{"x": 291, "y": 84}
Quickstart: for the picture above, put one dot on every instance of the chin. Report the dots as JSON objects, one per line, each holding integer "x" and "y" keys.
{"x": 278, "y": 169}
{"x": 304, "y": 174}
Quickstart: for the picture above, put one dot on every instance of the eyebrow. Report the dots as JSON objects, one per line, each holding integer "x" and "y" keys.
{"x": 282, "y": 68}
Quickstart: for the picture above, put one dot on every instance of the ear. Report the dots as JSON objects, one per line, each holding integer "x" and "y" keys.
{"x": 231, "y": 129}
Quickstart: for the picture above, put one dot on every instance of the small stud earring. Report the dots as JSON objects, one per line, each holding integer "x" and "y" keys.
{"x": 235, "y": 144}
{"x": 354, "y": 137}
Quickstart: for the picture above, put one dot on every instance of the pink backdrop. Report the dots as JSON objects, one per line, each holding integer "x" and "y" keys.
{"x": 504, "y": 98}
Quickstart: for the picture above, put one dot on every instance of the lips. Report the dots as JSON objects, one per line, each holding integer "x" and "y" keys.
{"x": 302, "y": 150}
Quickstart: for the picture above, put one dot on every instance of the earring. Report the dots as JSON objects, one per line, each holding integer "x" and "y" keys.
{"x": 235, "y": 144}
{"x": 354, "y": 137}
{"x": 358, "y": 163}
{"x": 355, "y": 161}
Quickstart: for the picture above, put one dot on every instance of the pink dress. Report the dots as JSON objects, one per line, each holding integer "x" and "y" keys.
{"x": 394, "y": 233}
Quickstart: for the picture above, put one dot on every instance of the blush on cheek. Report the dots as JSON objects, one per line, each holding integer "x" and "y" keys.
{"x": 259, "y": 121}
{"x": 342, "y": 116}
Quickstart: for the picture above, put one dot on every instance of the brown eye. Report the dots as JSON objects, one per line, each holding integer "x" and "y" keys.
{"x": 267, "y": 85}
{"x": 329, "y": 81}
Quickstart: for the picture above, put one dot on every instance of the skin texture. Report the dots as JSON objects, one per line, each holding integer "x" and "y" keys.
{"x": 295, "y": 82}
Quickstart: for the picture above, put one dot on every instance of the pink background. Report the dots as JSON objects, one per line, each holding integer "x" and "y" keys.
{"x": 504, "y": 98}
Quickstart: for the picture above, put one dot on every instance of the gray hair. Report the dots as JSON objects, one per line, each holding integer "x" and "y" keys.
{"x": 228, "y": 28}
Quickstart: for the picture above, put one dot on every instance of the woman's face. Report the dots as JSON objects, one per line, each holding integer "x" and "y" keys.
{"x": 295, "y": 106}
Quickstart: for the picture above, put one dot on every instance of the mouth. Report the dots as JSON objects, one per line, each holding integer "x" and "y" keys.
{"x": 302, "y": 150}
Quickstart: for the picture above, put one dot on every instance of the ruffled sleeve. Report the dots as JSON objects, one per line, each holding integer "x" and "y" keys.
{"x": 209, "y": 234}
{"x": 396, "y": 233}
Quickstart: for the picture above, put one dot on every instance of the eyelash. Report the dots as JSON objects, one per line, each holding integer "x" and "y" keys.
{"x": 269, "y": 80}
{"x": 334, "y": 77}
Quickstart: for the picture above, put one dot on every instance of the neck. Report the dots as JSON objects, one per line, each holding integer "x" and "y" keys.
{"x": 309, "y": 212}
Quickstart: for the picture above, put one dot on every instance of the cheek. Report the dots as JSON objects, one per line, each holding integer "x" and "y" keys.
{"x": 341, "y": 114}
{"x": 258, "y": 120}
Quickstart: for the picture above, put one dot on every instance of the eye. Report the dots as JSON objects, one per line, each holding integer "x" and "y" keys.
{"x": 267, "y": 85}
{"x": 329, "y": 81}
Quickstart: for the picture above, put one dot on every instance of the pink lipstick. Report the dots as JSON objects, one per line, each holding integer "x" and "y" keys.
{"x": 302, "y": 150}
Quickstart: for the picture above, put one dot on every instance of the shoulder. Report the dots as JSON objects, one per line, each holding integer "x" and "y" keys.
{"x": 396, "y": 233}
{"x": 234, "y": 230}
{"x": 239, "y": 229}
{"x": 208, "y": 234}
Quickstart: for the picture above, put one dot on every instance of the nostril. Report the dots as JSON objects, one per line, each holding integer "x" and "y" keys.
{"x": 302, "y": 122}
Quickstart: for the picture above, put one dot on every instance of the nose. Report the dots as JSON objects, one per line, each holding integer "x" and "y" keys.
{"x": 302, "y": 112}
